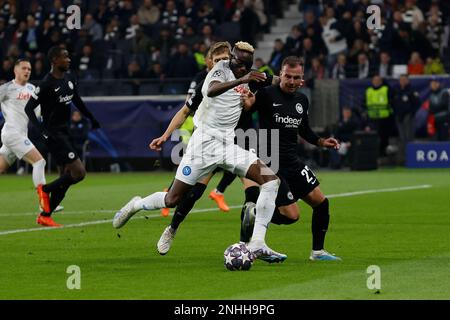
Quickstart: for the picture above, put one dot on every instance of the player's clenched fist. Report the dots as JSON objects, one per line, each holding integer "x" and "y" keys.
{"x": 254, "y": 76}
{"x": 157, "y": 143}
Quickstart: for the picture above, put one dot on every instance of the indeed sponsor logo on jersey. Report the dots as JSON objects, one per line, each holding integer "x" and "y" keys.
{"x": 67, "y": 99}
{"x": 290, "y": 122}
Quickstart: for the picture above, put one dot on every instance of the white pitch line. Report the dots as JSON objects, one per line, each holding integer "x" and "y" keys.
{"x": 339, "y": 195}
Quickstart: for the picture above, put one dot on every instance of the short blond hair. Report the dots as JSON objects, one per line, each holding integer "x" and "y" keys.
{"x": 244, "y": 46}
{"x": 217, "y": 48}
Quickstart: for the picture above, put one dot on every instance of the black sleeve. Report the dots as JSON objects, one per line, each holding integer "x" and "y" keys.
{"x": 32, "y": 104}
{"x": 29, "y": 110}
{"x": 196, "y": 97}
{"x": 255, "y": 86}
{"x": 306, "y": 132}
{"x": 261, "y": 100}
{"x": 81, "y": 106}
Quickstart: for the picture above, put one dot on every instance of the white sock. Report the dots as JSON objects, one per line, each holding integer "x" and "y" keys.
{"x": 265, "y": 207}
{"x": 217, "y": 191}
{"x": 39, "y": 172}
{"x": 151, "y": 202}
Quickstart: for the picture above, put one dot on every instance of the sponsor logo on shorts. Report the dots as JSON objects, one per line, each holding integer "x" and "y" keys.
{"x": 290, "y": 196}
{"x": 187, "y": 170}
{"x": 71, "y": 155}
{"x": 27, "y": 142}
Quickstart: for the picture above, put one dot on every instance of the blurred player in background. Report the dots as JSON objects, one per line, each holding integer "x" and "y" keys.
{"x": 14, "y": 95}
{"x": 55, "y": 95}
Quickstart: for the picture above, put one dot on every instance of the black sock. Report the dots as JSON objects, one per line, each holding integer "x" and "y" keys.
{"x": 63, "y": 181}
{"x": 251, "y": 194}
{"x": 226, "y": 180}
{"x": 186, "y": 204}
{"x": 278, "y": 218}
{"x": 56, "y": 197}
{"x": 319, "y": 225}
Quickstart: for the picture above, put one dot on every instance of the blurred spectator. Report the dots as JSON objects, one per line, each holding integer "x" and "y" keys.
{"x": 38, "y": 72}
{"x": 125, "y": 11}
{"x": 440, "y": 109}
{"x": 169, "y": 16}
{"x": 357, "y": 48}
{"x": 87, "y": 65}
{"x": 180, "y": 30}
{"x": 434, "y": 65}
{"x": 340, "y": 69}
{"x": 7, "y": 70}
{"x": 263, "y": 67}
{"x": 164, "y": 43}
{"x": 415, "y": 64}
{"x": 260, "y": 10}
{"x": 405, "y": 103}
{"x": 92, "y": 27}
{"x": 249, "y": 23}
{"x": 343, "y": 132}
{"x": 378, "y": 111}
{"x": 148, "y": 13}
{"x": 156, "y": 71}
{"x": 205, "y": 14}
{"x": 37, "y": 12}
{"x": 294, "y": 41}
{"x": 363, "y": 67}
{"x": 317, "y": 69}
{"x": 332, "y": 37}
{"x": 31, "y": 36}
{"x": 190, "y": 11}
{"x": 44, "y": 35}
{"x": 132, "y": 28}
{"x": 200, "y": 50}
{"x": 277, "y": 56}
{"x": 313, "y": 6}
{"x": 385, "y": 67}
{"x": 79, "y": 131}
{"x": 412, "y": 15}
{"x": 208, "y": 35}
{"x": 57, "y": 16}
{"x": 182, "y": 63}
{"x": 435, "y": 33}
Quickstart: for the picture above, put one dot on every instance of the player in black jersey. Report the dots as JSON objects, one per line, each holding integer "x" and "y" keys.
{"x": 285, "y": 109}
{"x": 55, "y": 95}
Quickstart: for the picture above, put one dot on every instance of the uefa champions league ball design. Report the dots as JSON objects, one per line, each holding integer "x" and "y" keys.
{"x": 238, "y": 257}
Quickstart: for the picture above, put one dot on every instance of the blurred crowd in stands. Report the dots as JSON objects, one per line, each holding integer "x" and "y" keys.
{"x": 336, "y": 43}
{"x": 138, "y": 38}
{"x": 128, "y": 39}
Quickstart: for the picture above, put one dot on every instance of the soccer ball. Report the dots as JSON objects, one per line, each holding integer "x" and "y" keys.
{"x": 238, "y": 257}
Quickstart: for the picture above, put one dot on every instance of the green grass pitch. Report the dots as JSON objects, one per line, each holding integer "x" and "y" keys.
{"x": 406, "y": 232}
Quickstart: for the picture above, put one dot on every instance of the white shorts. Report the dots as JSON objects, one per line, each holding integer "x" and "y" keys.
{"x": 15, "y": 146}
{"x": 205, "y": 153}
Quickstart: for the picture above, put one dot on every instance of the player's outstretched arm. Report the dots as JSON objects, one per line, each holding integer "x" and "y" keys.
{"x": 85, "y": 111}
{"x": 175, "y": 123}
{"x": 217, "y": 88}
